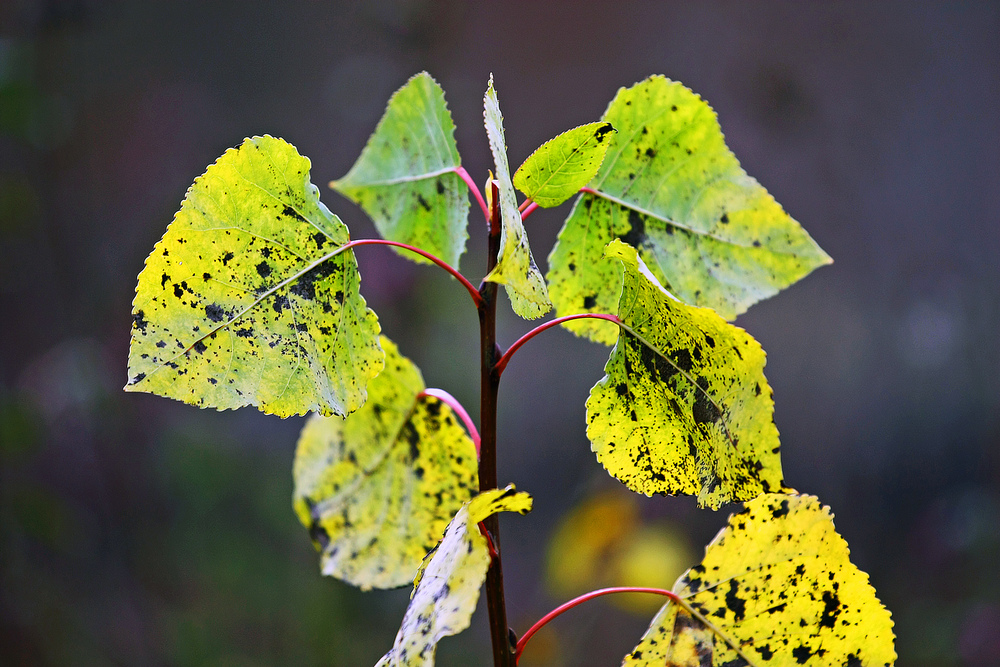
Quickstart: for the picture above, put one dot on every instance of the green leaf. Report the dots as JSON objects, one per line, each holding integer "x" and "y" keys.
{"x": 248, "y": 300}
{"x": 515, "y": 268}
{"x": 447, "y": 586}
{"x": 671, "y": 188}
{"x": 778, "y": 584}
{"x": 685, "y": 407}
{"x": 405, "y": 177}
{"x": 560, "y": 167}
{"x": 377, "y": 489}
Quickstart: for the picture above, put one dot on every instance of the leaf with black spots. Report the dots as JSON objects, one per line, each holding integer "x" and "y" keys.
{"x": 776, "y": 588}
{"x": 561, "y": 166}
{"x": 684, "y": 407}
{"x": 405, "y": 177}
{"x": 377, "y": 489}
{"x": 447, "y": 587}
{"x": 515, "y": 268}
{"x": 248, "y": 298}
{"x": 671, "y": 188}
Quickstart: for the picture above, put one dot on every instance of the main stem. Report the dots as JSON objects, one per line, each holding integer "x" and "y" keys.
{"x": 503, "y": 653}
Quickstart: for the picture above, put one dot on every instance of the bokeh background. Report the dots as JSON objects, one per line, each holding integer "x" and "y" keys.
{"x": 138, "y": 531}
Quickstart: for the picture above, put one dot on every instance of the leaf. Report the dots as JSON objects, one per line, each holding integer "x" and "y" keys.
{"x": 447, "y": 587}
{"x": 377, "y": 489}
{"x": 684, "y": 407}
{"x": 778, "y": 583}
{"x": 671, "y": 188}
{"x": 405, "y": 177}
{"x": 561, "y": 166}
{"x": 247, "y": 299}
{"x": 515, "y": 268}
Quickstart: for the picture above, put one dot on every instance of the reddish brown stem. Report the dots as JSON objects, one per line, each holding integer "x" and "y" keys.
{"x": 473, "y": 292}
{"x": 543, "y": 621}
{"x": 459, "y": 410}
{"x": 503, "y": 652}
{"x": 502, "y": 364}
{"x": 464, "y": 175}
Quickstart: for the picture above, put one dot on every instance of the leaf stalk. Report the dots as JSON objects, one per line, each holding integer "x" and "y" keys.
{"x": 505, "y": 359}
{"x": 459, "y": 410}
{"x": 464, "y": 175}
{"x": 469, "y": 287}
{"x": 566, "y": 606}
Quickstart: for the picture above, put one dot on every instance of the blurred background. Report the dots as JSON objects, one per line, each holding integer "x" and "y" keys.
{"x": 139, "y": 531}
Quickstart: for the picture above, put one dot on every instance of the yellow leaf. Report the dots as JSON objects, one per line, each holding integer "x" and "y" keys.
{"x": 377, "y": 489}
{"x": 447, "y": 586}
{"x": 247, "y": 299}
{"x": 776, "y": 588}
{"x": 685, "y": 407}
{"x": 671, "y": 188}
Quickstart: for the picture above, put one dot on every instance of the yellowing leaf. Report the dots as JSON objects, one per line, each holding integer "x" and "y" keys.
{"x": 515, "y": 268}
{"x": 404, "y": 178}
{"x": 561, "y": 166}
{"x": 670, "y": 187}
{"x": 447, "y": 587}
{"x": 685, "y": 407}
{"x": 247, "y": 299}
{"x": 377, "y": 489}
{"x": 778, "y": 584}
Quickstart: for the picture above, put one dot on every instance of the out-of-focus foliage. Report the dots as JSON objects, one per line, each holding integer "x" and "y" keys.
{"x": 604, "y": 541}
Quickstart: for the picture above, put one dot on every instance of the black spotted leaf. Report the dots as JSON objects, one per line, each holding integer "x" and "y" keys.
{"x": 561, "y": 166}
{"x": 447, "y": 587}
{"x": 777, "y": 589}
{"x": 377, "y": 489}
{"x": 515, "y": 268}
{"x": 670, "y": 187}
{"x": 684, "y": 407}
{"x": 248, "y": 300}
{"x": 405, "y": 177}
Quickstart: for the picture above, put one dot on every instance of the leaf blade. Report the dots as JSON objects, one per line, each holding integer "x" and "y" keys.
{"x": 405, "y": 177}
{"x": 779, "y": 584}
{"x": 447, "y": 587}
{"x": 671, "y": 188}
{"x": 515, "y": 268}
{"x": 562, "y": 165}
{"x": 248, "y": 300}
{"x": 377, "y": 489}
{"x": 684, "y": 407}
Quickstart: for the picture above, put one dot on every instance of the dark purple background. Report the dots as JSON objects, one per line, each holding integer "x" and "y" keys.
{"x": 138, "y": 531}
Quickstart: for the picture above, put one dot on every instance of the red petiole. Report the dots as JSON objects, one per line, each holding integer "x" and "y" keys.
{"x": 464, "y": 175}
{"x": 502, "y": 363}
{"x": 473, "y": 292}
{"x": 459, "y": 409}
{"x": 558, "y": 611}
{"x": 527, "y": 208}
